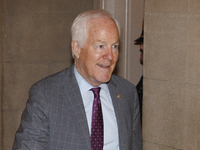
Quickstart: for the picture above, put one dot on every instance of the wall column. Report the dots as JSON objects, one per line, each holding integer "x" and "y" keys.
{"x": 171, "y": 111}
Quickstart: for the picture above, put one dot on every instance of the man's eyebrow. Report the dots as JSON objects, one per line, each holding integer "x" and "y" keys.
{"x": 101, "y": 41}
{"x": 117, "y": 42}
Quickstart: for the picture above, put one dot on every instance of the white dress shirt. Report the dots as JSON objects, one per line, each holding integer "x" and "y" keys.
{"x": 111, "y": 136}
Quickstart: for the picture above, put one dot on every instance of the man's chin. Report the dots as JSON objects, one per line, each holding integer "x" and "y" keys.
{"x": 105, "y": 80}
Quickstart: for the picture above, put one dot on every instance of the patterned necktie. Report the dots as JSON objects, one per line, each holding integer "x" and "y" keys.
{"x": 97, "y": 122}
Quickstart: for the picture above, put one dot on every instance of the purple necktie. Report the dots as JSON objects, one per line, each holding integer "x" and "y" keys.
{"x": 97, "y": 122}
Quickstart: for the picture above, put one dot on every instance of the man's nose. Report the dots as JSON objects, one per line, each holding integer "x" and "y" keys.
{"x": 109, "y": 54}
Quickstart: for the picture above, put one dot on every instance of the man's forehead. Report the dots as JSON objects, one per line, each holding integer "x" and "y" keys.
{"x": 100, "y": 20}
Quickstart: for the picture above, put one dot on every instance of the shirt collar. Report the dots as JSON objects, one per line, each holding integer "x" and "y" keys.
{"x": 84, "y": 85}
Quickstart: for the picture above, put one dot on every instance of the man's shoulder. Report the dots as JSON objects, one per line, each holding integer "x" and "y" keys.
{"x": 120, "y": 79}
{"x": 60, "y": 77}
{"x": 121, "y": 82}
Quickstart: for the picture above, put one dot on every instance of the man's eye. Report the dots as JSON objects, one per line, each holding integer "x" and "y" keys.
{"x": 115, "y": 46}
{"x": 100, "y": 46}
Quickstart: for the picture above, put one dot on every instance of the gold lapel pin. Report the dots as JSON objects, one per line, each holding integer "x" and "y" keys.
{"x": 118, "y": 95}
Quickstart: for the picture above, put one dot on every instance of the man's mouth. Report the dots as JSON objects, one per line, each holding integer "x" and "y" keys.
{"x": 103, "y": 66}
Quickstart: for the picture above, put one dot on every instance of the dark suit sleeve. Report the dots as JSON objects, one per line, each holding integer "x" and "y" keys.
{"x": 33, "y": 131}
{"x": 137, "y": 131}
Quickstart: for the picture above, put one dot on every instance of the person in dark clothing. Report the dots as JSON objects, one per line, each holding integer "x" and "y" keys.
{"x": 139, "y": 41}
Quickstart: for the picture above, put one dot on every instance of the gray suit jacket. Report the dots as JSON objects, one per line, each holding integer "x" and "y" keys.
{"x": 55, "y": 119}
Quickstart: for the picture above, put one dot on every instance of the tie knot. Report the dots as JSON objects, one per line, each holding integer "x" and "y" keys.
{"x": 96, "y": 91}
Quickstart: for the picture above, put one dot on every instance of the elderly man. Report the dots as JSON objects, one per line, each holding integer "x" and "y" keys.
{"x": 84, "y": 107}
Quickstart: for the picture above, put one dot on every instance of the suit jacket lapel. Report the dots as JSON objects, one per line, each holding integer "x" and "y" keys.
{"x": 117, "y": 98}
{"x": 73, "y": 100}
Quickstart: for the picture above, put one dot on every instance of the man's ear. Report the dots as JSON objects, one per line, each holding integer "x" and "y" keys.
{"x": 76, "y": 49}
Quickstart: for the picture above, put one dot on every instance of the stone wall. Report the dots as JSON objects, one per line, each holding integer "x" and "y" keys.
{"x": 171, "y": 75}
{"x": 36, "y": 43}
